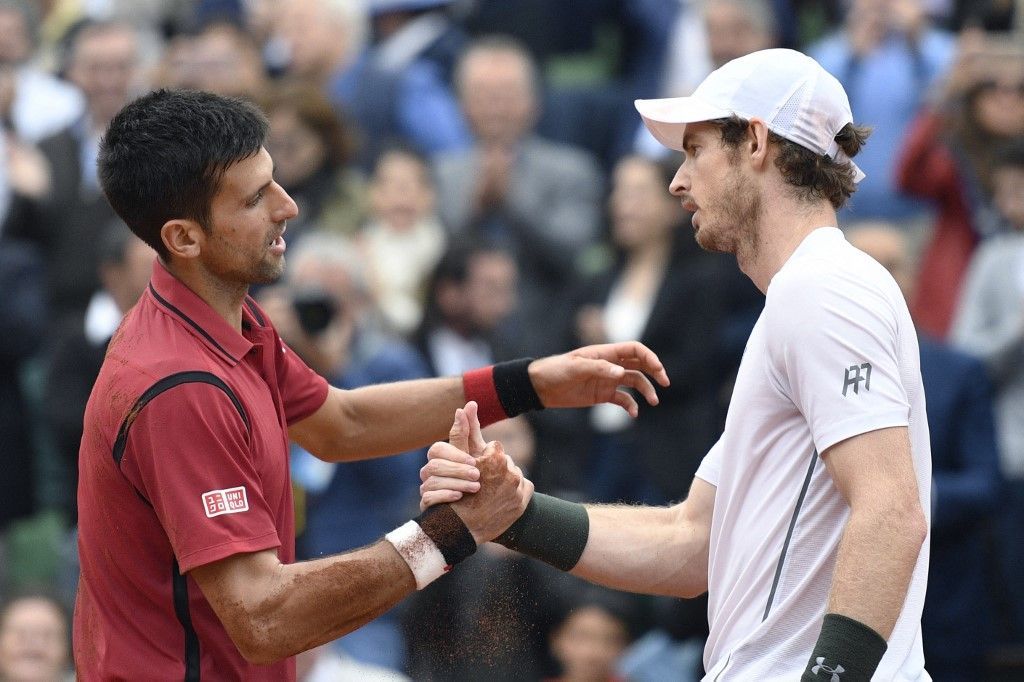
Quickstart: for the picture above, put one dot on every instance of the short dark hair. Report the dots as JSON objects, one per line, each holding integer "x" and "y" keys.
{"x": 814, "y": 176}
{"x": 164, "y": 155}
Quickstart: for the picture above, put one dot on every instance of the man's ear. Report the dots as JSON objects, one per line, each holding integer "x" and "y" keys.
{"x": 183, "y": 238}
{"x": 757, "y": 141}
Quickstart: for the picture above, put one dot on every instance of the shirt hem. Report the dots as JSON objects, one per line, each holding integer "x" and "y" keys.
{"x": 211, "y": 554}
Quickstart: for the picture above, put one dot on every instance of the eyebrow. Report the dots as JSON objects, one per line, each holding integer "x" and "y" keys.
{"x": 687, "y": 140}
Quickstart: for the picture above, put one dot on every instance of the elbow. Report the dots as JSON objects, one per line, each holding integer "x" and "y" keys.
{"x": 692, "y": 590}
{"x": 912, "y": 524}
{"x": 917, "y": 527}
{"x": 253, "y": 636}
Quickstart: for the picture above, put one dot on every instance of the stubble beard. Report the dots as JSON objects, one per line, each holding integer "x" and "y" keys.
{"x": 736, "y": 213}
{"x": 268, "y": 271}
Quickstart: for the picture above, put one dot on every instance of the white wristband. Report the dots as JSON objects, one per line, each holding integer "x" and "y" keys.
{"x": 420, "y": 552}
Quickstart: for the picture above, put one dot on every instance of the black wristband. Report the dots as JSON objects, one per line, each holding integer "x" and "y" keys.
{"x": 514, "y": 388}
{"x": 447, "y": 531}
{"x": 846, "y": 649}
{"x": 552, "y": 530}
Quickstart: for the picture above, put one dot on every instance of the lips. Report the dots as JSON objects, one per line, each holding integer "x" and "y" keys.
{"x": 278, "y": 236}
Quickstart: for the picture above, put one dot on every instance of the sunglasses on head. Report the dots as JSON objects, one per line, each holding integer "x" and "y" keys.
{"x": 1002, "y": 86}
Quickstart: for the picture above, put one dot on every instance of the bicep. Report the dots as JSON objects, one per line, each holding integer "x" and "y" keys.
{"x": 317, "y": 432}
{"x": 874, "y": 469}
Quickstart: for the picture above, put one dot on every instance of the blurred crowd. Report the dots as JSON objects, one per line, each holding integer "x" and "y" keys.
{"x": 474, "y": 186}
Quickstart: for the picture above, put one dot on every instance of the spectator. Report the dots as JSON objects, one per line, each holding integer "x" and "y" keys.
{"x": 400, "y": 89}
{"x": 947, "y": 158}
{"x": 888, "y": 57}
{"x": 314, "y": 160}
{"x": 42, "y": 104}
{"x": 102, "y": 62}
{"x": 320, "y": 39}
{"x": 227, "y": 62}
{"x": 957, "y": 624}
{"x": 593, "y": 635}
{"x": 706, "y": 37}
{"x": 177, "y": 67}
{"x": 34, "y": 640}
{"x": 125, "y": 264}
{"x": 472, "y": 294}
{"x": 538, "y": 199}
{"x": 990, "y": 324}
{"x": 24, "y": 172}
{"x": 22, "y": 317}
{"x": 404, "y": 239}
{"x": 327, "y": 315}
{"x": 664, "y": 290}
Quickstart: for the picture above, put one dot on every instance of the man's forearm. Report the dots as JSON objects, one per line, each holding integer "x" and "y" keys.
{"x": 287, "y": 608}
{"x": 875, "y": 562}
{"x": 384, "y": 419}
{"x": 652, "y": 550}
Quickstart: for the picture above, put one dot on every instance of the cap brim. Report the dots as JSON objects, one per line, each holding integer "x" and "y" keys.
{"x": 666, "y": 118}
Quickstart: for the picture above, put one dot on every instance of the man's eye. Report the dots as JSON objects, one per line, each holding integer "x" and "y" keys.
{"x": 256, "y": 199}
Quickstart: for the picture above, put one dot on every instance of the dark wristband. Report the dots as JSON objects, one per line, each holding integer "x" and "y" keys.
{"x": 552, "y": 530}
{"x": 847, "y": 649}
{"x": 514, "y": 388}
{"x": 447, "y": 531}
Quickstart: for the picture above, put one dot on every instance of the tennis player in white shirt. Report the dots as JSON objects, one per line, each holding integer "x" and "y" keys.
{"x": 807, "y": 523}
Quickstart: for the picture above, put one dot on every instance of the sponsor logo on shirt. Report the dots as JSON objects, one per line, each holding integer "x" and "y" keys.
{"x": 855, "y": 374}
{"x": 225, "y": 501}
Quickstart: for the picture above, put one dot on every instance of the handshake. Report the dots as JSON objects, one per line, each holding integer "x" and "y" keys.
{"x": 473, "y": 493}
{"x": 480, "y": 481}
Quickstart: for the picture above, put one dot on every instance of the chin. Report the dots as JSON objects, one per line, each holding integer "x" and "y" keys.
{"x": 708, "y": 241}
{"x": 269, "y": 274}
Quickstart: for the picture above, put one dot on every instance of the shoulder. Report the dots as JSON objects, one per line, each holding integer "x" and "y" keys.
{"x": 150, "y": 346}
{"x": 838, "y": 285}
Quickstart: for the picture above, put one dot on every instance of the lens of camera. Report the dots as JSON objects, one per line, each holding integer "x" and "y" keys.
{"x": 315, "y": 310}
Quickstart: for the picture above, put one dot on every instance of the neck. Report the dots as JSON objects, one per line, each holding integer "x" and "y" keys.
{"x": 781, "y": 229}
{"x": 224, "y": 297}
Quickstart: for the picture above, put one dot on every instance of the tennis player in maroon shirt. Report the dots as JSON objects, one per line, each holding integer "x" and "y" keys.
{"x": 186, "y": 532}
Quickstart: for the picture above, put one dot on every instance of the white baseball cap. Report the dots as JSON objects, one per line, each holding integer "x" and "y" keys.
{"x": 798, "y": 99}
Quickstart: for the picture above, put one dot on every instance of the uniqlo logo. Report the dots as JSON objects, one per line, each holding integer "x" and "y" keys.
{"x": 226, "y": 501}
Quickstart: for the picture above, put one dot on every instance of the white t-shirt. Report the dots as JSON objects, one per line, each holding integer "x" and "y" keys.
{"x": 833, "y": 355}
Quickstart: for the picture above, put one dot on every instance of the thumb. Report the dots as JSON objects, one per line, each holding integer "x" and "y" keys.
{"x": 459, "y": 434}
{"x": 476, "y": 438}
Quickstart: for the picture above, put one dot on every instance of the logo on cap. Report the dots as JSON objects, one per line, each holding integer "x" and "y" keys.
{"x": 225, "y": 501}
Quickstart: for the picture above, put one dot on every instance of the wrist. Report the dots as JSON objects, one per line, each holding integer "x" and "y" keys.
{"x": 502, "y": 390}
{"x": 432, "y": 543}
{"x": 845, "y": 647}
{"x": 552, "y": 530}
